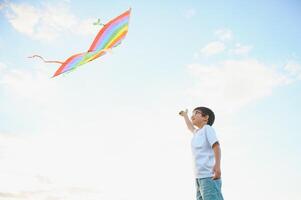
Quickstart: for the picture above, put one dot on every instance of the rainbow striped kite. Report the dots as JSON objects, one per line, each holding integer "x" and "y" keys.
{"x": 107, "y": 38}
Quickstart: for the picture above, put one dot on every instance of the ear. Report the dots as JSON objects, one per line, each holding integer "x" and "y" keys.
{"x": 207, "y": 118}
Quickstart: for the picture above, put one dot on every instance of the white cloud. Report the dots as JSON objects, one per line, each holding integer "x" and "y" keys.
{"x": 2, "y": 67}
{"x": 95, "y": 159}
{"x": 82, "y": 147}
{"x": 189, "y": 13}
{"x": 293, "y": 68}
{"x": 224, "y": 34}
{"x": 232, "y": 84}
{"x": 88, "y": 158}
{"x": 36, "y": 87}
{"x": 3, "y": 4}
{"x": 213, "y": 48}
{"x": 218, "y": 46}
{"x": 53, "y": 194}
{"x": 85, "y": 27}
{"x": 240, "y": 49}
{"x": 24, "y": 18}
{"x": 47, "y": 22}
{"x": 43, "y": 174}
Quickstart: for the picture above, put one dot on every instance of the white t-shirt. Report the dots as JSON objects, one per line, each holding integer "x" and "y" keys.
{"x": 201, "y": 145}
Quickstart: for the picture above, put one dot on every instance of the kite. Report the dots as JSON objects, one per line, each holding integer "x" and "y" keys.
{"x": 110, "y": 36}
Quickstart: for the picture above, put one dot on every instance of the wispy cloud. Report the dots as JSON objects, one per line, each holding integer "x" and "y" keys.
{"x": 218, "y": 46}
{"x": 224, "y": 34}
{"x": 39, "y": 176}
{"x": 240, "y": 49}
{"x": 293, "y": 68}
{"x": 224, "y": 39}
{"x": 233, "y": 84}
{"x": 213, "y": 48}
{"x": 2, "y": 66}
{"x": 47, "y": 22}
{"x": 3, "y": 4}
{"x": 85, "y": 27}
{"x": 22, "y": 84}
{"x": 72, "y": 193}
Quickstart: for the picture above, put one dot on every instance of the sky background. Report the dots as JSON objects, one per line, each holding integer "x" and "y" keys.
{"x": 111, "y": 130}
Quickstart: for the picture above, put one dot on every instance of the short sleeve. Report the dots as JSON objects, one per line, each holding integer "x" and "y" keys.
{"x": 211, "y": 135}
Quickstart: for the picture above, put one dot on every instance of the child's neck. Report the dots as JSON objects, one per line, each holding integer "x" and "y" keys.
{"x": 201, "y": 125}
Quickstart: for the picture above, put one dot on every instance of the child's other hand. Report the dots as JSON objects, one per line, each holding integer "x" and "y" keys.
{"x": 183, "y": 113}
{"x": 217, "y": 172}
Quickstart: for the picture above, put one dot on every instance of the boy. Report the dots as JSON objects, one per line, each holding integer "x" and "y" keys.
{"x": 206, "y": 152}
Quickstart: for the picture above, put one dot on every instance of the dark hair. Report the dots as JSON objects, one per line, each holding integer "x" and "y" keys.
{"x": 207, "y": 111}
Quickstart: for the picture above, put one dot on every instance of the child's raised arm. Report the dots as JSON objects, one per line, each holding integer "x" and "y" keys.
{"x": 187, "y": 120}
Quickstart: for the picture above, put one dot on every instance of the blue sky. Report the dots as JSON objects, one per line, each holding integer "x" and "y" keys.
{"x": 115, "y": 119}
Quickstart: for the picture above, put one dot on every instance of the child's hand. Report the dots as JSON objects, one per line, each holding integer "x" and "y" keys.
{"x": 183, "y": 113}
{"x": 217, "y": 172}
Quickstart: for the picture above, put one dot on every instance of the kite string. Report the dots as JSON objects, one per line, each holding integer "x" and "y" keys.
{"x": 46, "y": 61}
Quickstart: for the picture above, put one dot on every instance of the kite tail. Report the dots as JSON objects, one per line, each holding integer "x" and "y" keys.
{"x": 46, "y": 61}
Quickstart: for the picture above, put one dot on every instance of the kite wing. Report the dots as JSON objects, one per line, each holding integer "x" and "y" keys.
{"x": 111, "y": 35}
{"x": 107, "y": 38}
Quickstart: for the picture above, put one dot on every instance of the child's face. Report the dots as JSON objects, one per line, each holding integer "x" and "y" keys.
{"x": 197, "y": 118}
